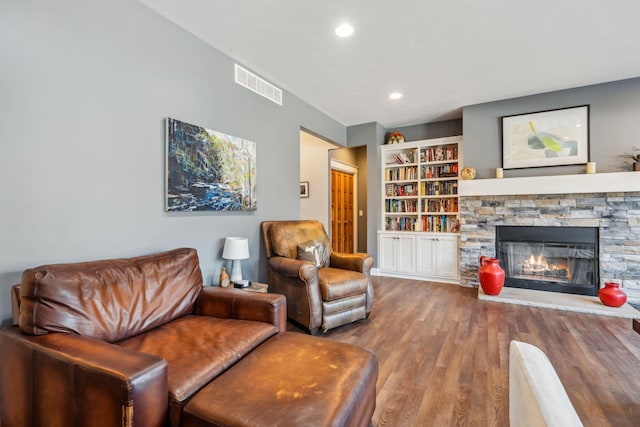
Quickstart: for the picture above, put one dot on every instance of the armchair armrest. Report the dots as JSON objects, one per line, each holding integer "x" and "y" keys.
{"x": 356, "y": 262}
{"x": 66, "y": 379}
{"x": 295, "y": 268}
{"x": 298, "y": 280}
{"x": 239, "y": 304}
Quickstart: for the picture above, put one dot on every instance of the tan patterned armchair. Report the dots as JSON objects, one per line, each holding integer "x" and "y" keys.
{"x": 324, "y": 289}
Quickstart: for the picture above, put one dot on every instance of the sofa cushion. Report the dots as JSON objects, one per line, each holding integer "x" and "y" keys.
{"x": 536, "y": 395}
{"x": 291, "y": 380}
{"x": 286, "y": 235}
{"x": 110, "y": 299}
{"x": 199, "y": 348}
{"x": 336, "y": 283}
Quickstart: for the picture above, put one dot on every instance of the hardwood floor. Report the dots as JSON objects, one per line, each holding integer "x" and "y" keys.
{"x": 443, "y": 356}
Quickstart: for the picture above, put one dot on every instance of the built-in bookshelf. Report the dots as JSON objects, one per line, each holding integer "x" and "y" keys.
{"x": 420, "y": 186}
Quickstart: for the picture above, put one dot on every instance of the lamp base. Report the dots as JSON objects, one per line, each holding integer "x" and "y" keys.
{"x": 236, "y": 271}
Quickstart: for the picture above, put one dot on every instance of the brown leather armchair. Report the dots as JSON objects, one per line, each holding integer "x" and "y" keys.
{"x": 324, "y": 289}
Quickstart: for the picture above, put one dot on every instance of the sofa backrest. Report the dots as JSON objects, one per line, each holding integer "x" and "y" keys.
{"x": 283, "y": 237}
{"x": 110, "y": 299}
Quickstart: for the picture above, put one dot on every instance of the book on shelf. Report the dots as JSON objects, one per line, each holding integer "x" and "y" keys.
{"x": 440, "y": 224}
{"x": 400, "y": 224}
{"x": 404, "y": 157}
{"x": 439, "y": 153}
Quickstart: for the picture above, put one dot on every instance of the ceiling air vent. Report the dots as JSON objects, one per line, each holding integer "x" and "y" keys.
{"x": 258, "y": 85}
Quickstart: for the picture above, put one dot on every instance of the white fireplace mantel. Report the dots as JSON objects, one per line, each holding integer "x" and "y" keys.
{"x": 617, "y": 182}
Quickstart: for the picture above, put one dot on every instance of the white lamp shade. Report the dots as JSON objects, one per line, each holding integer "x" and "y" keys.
{"x": 236, "y": 248}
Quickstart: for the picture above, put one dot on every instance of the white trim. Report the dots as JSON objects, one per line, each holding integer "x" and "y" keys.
{"x": 350, "y": 169}
{"x": 557, "y": 184}
{"x": 376, "y": 272}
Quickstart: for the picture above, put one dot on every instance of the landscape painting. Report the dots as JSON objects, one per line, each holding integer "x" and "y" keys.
{"x": 208, "y": 170}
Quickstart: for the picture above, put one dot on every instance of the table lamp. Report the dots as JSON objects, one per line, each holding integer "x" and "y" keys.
{"x": 235, "y": 249}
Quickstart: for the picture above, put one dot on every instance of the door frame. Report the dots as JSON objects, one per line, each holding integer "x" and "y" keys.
{"x": 353, "y": 170}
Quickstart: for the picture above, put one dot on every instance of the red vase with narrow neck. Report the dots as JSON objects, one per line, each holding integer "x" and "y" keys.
{"x": 612, "y": 295}
{"x": 491, "y": 275}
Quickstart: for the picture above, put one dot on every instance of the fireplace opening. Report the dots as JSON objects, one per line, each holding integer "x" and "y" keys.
{"x": 555, "y": 259}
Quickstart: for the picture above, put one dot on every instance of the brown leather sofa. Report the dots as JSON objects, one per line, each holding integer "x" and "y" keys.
{"x": 139, "y": 341}
{"x": 323, "y": 293}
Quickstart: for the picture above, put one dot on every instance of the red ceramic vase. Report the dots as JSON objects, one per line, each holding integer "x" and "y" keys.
{"x": 611, "y": 295}
{"x": 491, "y": 275}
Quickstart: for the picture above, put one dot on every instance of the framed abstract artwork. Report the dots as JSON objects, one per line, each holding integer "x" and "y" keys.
{"x": 208, "y": 170}
{"x": 546, "y": 138}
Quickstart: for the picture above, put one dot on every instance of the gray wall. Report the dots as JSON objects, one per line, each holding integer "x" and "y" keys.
{"x": 431, "y": 130}
{"x": 370, "y": 135}
{"x": 614, "y": 111}
{"x": 85, "y": 87}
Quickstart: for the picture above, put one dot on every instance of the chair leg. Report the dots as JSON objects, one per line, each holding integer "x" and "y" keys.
{"x": 316, "y": 331}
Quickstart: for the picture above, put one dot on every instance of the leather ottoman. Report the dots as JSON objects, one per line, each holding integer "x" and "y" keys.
{"x": 291, "y": 380}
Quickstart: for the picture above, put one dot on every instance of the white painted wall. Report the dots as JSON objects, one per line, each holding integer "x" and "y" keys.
{"x": 314, "y": 168}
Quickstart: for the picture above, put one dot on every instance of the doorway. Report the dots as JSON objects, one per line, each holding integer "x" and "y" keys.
{"x": 343, "y": 207}
{"x": 315, "y": 175}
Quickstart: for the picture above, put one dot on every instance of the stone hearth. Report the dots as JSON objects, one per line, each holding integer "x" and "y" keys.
{"x": 568, "y": 302}
{"x": 617, "y": 214}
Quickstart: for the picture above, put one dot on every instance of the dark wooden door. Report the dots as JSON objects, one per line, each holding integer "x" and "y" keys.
{"x": 342, "y": 206}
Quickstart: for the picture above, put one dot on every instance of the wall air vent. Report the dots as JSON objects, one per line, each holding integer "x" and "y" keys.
{"x": 258, "y": 85}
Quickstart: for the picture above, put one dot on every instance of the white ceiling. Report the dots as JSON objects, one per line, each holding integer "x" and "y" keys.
{"x": 442, "y": 55}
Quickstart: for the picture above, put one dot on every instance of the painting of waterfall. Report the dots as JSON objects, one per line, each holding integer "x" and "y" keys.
{"x": 208, "y": 170}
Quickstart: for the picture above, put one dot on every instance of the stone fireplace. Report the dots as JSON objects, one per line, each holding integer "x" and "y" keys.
{"x": 614, "y": 211}
{"x": 554, "y": 259}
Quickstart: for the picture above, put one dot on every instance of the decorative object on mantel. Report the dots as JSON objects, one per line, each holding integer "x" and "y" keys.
{"x": 591, "y": 167}
{"x": 634, "y": 155}
{"x": 546, "y": 138}
{"x": 612, "y": 295}
{"x": 467, "y": 173}
{"x": 499, "y": 173}
{"x": 395, "y": 137}
{"x": 491, "y": 275}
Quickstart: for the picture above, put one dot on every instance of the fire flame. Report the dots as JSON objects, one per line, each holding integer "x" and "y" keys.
{"x": 539, "y": 264}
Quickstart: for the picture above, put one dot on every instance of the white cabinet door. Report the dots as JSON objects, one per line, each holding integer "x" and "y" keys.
{"x": 405, "y": 254}
{"x": 447, "y": 256}
{"x": 426, "y": 255}
{"x": 396, "y": 253}
{"x": 387, "y": 252}
{"x": 438, "y": 255}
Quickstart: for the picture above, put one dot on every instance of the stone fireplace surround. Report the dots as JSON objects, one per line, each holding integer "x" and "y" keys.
{"x": 610, "y": 201}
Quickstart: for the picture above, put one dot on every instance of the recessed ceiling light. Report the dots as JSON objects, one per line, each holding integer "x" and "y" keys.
{"x": 395, "y": 95}
{"x": 344, "y": 30}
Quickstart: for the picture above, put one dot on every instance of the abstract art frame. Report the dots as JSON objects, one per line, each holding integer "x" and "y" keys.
{"x": 546, "y": 138}
{"x": 208, "y": 170}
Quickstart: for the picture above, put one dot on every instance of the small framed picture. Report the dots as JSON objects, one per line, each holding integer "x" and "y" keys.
{"x": 304, "y": 189}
